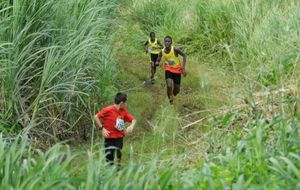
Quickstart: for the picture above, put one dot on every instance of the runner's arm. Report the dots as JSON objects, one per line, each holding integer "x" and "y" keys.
{"x": 98, "y": 121}
{"x": 184, "y": 56}
{"x": 160, "y": 44}
{"x": 145, "y": 46}
{"x": 158, "y": 58}
{"x": 131, "y": 126}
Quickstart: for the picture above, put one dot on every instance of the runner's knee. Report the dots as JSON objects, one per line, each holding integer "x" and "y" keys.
{"x": 169, "y": 84}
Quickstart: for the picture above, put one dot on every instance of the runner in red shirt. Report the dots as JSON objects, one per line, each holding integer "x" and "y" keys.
{"x": 111, "y": 120}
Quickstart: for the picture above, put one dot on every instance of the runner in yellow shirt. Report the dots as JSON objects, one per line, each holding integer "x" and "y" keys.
{"x": 153, "y": 47}
{"x": 172, "y": 66}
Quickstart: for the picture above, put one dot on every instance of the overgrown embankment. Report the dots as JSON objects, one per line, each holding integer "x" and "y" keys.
{"x": 239, "y": 98}
{"x": 235, "y": 125}
{"x": 231, "y": 57}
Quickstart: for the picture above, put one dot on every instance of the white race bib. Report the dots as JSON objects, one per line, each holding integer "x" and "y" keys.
{"x": 120, "y": 124}
{"x": 170, "y": 62}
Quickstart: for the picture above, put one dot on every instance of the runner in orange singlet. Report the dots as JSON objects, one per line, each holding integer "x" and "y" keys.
{"x": 172, "y": 66}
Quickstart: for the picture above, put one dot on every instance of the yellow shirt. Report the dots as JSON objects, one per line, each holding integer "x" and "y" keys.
{"x": 172, "y": 62}
{"x": 153, "y": 46}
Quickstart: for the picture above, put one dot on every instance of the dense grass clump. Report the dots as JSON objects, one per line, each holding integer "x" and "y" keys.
{"x": 55, "y": 61}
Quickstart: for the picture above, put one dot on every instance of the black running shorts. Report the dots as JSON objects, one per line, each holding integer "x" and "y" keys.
{"x": 113, "y": 148}
{"x": 153, "y": 57}
{"x": 176, "y": 77}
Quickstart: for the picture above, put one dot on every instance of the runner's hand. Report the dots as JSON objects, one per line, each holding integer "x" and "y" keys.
{"x": 183, "y": 72}
{"x": 105, "y": 132}
{"x": 129, "y": 129}
{"x": 159, "y": 64}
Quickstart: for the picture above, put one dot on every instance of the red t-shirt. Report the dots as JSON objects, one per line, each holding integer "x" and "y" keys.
{"x": 110, "y": 115}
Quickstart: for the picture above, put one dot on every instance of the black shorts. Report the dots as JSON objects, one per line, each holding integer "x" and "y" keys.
{"x": 176, "y": 77}
{"x": 113, "y": 148}
{"x": 153, "y": 57}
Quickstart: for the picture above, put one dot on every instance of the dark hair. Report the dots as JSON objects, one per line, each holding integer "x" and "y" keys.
{"x": 120, "y": 97}
{"x": 169, "y": 38}
{"x": 152, "y": 33}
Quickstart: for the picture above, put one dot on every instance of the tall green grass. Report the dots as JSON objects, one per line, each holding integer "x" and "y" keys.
{"x": 264, "y": 156}
{"x": 55, "y": 60}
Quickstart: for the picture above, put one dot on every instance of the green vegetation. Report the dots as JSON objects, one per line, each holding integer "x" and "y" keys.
{"x": 235, "y": 124}
{"x": 53, "y": 63}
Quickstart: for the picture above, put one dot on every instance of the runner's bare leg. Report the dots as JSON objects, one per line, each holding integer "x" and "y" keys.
{"x": 176, "y": 89}
{"x": 170, "y": 86}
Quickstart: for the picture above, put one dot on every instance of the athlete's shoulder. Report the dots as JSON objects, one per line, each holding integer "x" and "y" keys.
{"x": 124, "y": 111}
{"x": 108, "y": 108}
{"x": 178, "y": 51}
